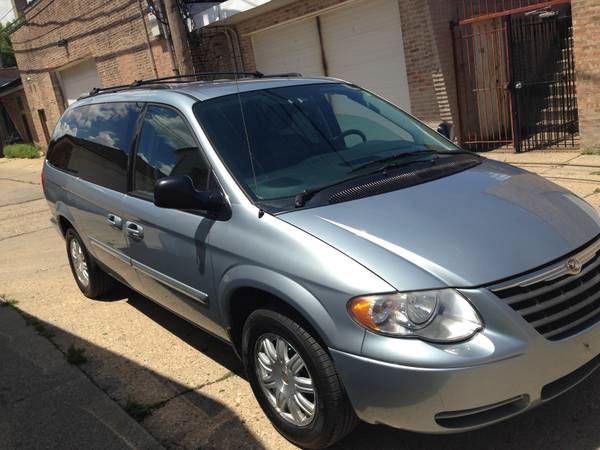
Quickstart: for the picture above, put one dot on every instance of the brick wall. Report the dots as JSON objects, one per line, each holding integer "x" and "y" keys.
{"x": 112, "y": 33}
{"x": 429, "y": 59}
{"x": 586, "y": 32}
{"x": 427, "y": 44}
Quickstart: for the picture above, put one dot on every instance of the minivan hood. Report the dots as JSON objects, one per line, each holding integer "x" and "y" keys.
{"x": 469, "y": 229}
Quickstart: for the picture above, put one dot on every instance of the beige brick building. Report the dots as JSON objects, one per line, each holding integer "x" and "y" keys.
{"x": 467, "y": 74}
{"x": 66, "y": 46}
{"x": 423, "y": 33}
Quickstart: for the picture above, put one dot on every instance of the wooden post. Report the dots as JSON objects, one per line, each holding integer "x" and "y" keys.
{"x": 179, "y": 37}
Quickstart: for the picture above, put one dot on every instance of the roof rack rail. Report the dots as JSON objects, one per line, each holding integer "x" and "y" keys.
{"x": 185, "y": 79}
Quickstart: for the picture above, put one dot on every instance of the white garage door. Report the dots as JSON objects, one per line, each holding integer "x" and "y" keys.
{"x": 78, "y": 80}
{"x": 362, "y": 43}
{"x": 291, "y": 48}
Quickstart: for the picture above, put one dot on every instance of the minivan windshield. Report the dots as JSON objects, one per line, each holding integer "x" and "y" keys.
{"x": 306, "y": 137}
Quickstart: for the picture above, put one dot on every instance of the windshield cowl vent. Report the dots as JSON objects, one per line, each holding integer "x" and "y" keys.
{"x": 406, "y": 177}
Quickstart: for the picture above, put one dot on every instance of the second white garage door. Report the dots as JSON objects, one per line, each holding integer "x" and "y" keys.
{"x": 78, "y": 80}
{"x": 362, "y": 43}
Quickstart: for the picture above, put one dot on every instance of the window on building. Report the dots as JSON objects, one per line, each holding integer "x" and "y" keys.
{"x": 94, "y": 142}
{"x": 167, "y": 148}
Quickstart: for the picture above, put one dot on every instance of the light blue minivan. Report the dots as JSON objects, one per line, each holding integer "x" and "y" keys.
{"x": 360, "y": 264}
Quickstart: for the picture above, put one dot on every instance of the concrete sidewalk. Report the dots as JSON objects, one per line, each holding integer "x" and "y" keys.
{"x": 47, "y": 403}
{"x": 185, "y": 387}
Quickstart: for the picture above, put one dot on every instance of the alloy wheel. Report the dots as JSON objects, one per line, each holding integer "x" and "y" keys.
{"x": 285, "y": 380}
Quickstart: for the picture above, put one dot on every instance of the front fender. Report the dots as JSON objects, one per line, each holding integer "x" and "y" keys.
{"x": 295, "y": 295}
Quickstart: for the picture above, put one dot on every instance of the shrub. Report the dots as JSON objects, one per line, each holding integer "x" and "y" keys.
{"x": 21, "y": 151}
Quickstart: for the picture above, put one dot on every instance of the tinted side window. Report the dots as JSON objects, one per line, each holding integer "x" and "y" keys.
{"x": 167, "y": 148}
{"x": 93, "y": 142}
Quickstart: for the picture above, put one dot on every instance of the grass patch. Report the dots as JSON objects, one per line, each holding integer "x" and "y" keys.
{"x": 28, "y": 151}
{"x": 7, "y": 301}
{"x": 137, "y": 410}
{"x": 590, "y": 151}
{"x": 38, "y": 326}
{"x": 42, "y": 330}
{"x": 595, "y": 173}
{"x": 76, "y": 355}
{"x": 30, "y": 321}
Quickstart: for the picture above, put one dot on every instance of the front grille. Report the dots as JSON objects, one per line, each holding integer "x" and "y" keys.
{"x": 558, "y": 307}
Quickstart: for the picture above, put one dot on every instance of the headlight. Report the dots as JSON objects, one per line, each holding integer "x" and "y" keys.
{"x": 439, "y": 316}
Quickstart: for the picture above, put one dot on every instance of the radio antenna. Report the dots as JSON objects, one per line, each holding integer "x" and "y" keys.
{"x": 250, "y": 154}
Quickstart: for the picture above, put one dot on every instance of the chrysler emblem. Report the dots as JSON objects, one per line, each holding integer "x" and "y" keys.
{"x": 574, "y": 266}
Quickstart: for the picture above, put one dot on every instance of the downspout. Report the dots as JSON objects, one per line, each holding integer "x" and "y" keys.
{"x": 154, "y": 69}
{"x": 234, "y": 43}
{"x": 234, "y": 39}
{"x": 324, "y": 63}
{"x": 167, "y": 34}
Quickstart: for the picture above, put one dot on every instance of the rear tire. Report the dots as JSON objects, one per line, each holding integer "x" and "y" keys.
{"x": 92, "y": 281}
{"x": 333, "y": 415}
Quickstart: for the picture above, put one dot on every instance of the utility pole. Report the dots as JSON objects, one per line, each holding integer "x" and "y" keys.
{"x": 178, "y": 31}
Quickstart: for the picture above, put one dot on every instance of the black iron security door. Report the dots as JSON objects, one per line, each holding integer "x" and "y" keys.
{"x": 543, "y": 80}
{"x": 515, "y": 75}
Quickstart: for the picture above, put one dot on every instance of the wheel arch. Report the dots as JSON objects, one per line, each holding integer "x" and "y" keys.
{"x": 246, "y": 288}
{"x": 64, "y": 219}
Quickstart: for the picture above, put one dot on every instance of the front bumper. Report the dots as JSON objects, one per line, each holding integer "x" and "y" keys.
{"x": 415, "y": 386}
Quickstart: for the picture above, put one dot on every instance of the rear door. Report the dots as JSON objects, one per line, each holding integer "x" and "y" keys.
{"x": 93, "y": 144}
{"x": 169, "y": 248}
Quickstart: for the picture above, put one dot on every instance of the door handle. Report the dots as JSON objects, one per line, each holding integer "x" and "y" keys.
{"x": 114, "y": 221}
{"x": 134, "y": 231}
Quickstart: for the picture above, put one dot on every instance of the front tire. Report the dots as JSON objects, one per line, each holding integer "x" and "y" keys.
{"x": 295, "y": 381}
{"x": 92, "y": 281}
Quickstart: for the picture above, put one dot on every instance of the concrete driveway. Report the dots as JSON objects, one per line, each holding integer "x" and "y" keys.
{"x": 187, "y": 388}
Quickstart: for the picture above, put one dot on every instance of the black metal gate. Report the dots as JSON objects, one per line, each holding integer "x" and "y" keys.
{"x": 543, "y": 73}
{"x": 516, "y": 80}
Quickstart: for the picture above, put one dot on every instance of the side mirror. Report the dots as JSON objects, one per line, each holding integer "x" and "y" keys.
{"x": 445, "y": 129}
{"x": 178, "y": 192}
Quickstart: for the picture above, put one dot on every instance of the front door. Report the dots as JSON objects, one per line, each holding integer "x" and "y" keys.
{"x": 169, "y": 248}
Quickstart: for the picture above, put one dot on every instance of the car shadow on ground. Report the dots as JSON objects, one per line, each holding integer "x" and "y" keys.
{"x": 196, "y": 421}
{"x": 571, "y": 421}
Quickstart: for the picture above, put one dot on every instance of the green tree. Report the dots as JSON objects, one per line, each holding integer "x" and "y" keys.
{"x": 7, "y": 56}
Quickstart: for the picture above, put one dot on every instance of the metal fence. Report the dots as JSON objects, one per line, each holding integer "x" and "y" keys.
{"x": 516, "y": 78}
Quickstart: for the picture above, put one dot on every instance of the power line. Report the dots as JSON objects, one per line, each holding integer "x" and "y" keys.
{"x": 6, "y": 14}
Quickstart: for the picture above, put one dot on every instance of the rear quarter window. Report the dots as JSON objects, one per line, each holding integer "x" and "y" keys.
{"x": 93, "y": 142}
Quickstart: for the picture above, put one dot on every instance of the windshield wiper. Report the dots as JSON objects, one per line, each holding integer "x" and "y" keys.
{"x": 304, "y": 196}
{"x": 399, "y": 156}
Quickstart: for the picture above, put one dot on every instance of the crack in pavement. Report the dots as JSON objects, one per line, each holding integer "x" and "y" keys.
{"x": 21, "y": 203}
{"x": 25, "y": 233}
{"x": 158, "y": 405}
{"x": 37, "y": 211}
{"x": 596, "y": 192}
{"x": 581, "y": 180}
{"x": 20, "y": 181}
